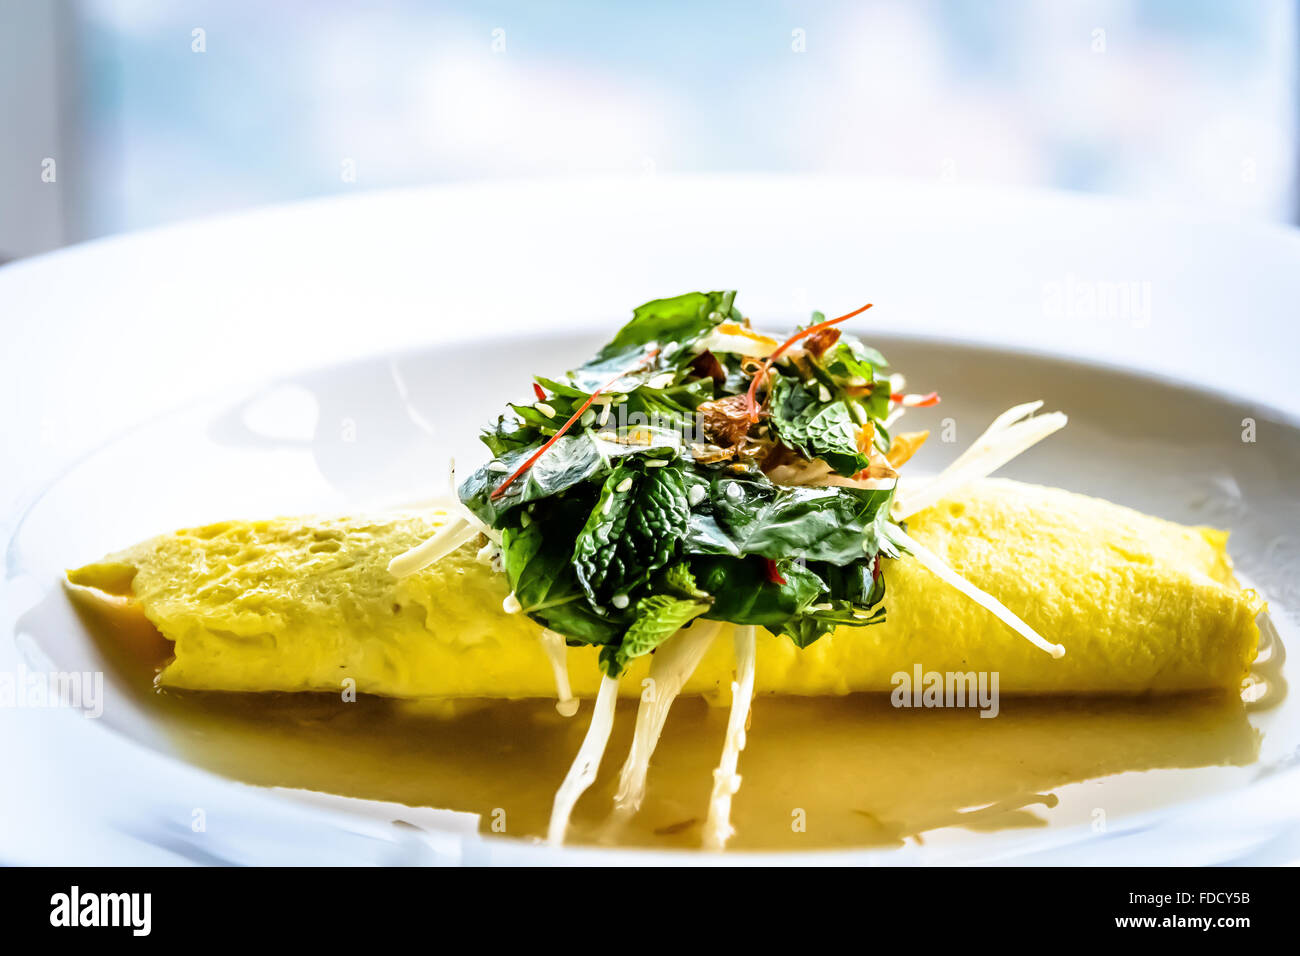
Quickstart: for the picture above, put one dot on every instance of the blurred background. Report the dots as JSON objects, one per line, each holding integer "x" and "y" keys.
{"x": 124, "y": 114}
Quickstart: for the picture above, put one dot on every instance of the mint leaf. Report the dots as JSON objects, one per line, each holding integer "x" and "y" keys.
{"x": 538, "y": 566}
{"x": 658, "y": 618}
{"x": 678, "y": 580}
{"x": 632, "y": 531}
{"x": 815, "y": 428}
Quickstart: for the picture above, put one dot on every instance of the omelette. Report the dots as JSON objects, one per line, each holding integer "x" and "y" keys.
{"x": 304, "y": 604}
{"x": 703, "y": 509}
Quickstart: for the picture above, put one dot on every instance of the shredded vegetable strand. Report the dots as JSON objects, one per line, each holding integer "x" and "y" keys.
{"x": 439, "y": 544}
{"x": 671, "y": 667}
{"x": 1012, "y": 415}
{"x": 446, "y": 540}
{"x": 454, "y": 504}
{"x": 998, "y": 426}
{"x": 751, "y": 401}
{"x": 936, "y": 566}
{"x": 582, "y": 773}
{"x": 1003, "y": 440}
{"x": 553, "y": 644}
{"x": 717, "y": 827}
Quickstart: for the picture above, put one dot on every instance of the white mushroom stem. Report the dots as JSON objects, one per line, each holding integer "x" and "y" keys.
{"x": 440, "y": 545}
{"x": 557, "y": 653}
{"x": 936, "y": 566}
{"x": 583, "y": 771}
{"x": 444, "y": 541}
{"x": 674, "y": 661}
{"x": 447, "y": 538}
{"x": 1010, "y": 434}
{"x": 717, "y": 827}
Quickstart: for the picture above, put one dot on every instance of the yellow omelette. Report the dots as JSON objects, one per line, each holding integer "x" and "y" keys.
{"x": 307, "y": 604}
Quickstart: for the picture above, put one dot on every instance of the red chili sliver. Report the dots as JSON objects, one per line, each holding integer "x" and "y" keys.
{"x": 750, "y": 402}
{"x": 915, "y": 401}
{"x": 773, "y": 572}
{"x": 532, "y": 459}
{"x": 539, "y": 392}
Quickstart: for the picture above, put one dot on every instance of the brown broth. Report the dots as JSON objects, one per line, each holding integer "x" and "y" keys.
{"x": 853, "y": 770}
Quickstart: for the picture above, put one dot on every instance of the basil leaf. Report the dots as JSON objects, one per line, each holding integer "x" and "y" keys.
{"x": 506, "y": 435}
{"x": 571, "y": 460}
{"x": 856, "y": 584}
{"x": 542, "y": 578}
{"x": 743, "y": 594}
{"x": 657, "y": 618}
{"x": 632, "y": 531}
{"x": 747, "y": 514}
{"x": 850, "y": 359}
{"x": 681, "y": 320}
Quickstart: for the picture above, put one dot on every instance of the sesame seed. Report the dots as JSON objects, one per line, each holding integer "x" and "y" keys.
{"x": 500, "y": 466}
{"x": 623, "y": 485}
{"x": 733, "y": 491}
{"x": 656, "y": 462}
{"x": 604, "y": 415}
{"x": 545, "y": 409}
{"x": 823, "y": 393}
{"x": 619, "y": 601}
{"x": 588, "y": 417}
{"x": 511, "y": 604}
{"x": 695, "y": 495}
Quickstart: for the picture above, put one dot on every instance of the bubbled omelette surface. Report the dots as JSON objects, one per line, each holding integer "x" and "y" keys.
{"x": 1139, "y": 603}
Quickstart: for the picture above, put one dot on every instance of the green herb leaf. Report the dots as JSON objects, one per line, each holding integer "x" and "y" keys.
{"x": 632, "y": 531}
{"x": 679, "y": 320}
{"x": 815, "y": 428}
{"x": 538, "y": 565}
{"x": 679, "y": 580}
{"x": 622, "y": 509}
{"x": 658, "y": 618}
{"x": 743, "y": 594}
{"x": 748, "y": 514}
{"x": 570, "y": 461}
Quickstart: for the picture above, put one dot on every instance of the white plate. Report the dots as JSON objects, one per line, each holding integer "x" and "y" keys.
{"x": 377, "y": 431}
{"x": 103, "y": 336}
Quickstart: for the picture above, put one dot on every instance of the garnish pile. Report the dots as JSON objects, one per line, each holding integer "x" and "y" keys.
{"x": 696, "y": 468}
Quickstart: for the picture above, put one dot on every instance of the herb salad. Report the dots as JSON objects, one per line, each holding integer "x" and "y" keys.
{"x": 696, "y": 468}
